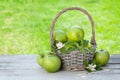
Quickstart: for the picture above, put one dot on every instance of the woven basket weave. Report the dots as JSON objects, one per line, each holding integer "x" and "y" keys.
{"x": 73, "y": 61}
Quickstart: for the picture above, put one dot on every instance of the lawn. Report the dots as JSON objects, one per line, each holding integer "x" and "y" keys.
{"x": 25, "y": 24}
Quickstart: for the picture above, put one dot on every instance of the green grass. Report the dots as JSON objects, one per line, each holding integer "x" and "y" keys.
{"x": 25, "y": 24}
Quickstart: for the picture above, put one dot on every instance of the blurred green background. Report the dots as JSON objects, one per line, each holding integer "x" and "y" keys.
{"x": 25, "y": 24}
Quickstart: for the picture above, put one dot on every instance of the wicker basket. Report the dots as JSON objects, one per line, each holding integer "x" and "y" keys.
{"x": 73, "y": 61}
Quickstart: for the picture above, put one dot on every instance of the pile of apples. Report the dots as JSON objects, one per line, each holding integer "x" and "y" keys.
{"x": 73, "y": 34}
{"x": 50, "y": 62}
{"x": 72, "y": 39}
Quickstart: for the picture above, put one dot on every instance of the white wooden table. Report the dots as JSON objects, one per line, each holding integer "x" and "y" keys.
{"x": 24, "y": 67}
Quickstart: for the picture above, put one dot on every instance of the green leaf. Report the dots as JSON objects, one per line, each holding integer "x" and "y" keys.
{"x": 98, "y": 67}
{"x": 88, "y": 70}
{"x": 77, "y": 45}
{"x": 54, "y": 49}
{"x": 93, "y": 61}
{"x": 85, "y": 63}
{"x": 85, "y": 43}
{"x": 82, "y": 50}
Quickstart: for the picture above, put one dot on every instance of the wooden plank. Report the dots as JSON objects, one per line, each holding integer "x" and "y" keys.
{"x": 114, "y": 58}
{"x": 27, "y": 58}
{"x": 82, "y": 77}
{"x": 24, "y": 67}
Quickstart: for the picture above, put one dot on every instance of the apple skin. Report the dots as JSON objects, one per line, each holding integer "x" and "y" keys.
{"x": 40, "y": 57}
{"x": 102, "y": 57}
{"x": 75, "y": 34}
{"x": 60, "y": 36}
{"x": 51, "y": 63}
{"x": 39, "y": 60}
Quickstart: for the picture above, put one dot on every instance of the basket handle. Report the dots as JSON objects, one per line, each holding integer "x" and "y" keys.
{"x": 93, "y": 41}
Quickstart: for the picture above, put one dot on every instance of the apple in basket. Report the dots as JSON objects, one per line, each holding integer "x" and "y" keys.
{"x": 102, "y": 57}
{"x": 60, "y": 36}
{"x": 75, "y": 34}
{"x": 50, "y": 62}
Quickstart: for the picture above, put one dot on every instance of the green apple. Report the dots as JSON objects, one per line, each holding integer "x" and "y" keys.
{"x": 51, "y": 63}
{"x": 102, "y": 57}
{"x": 75, "y": 34}
{"x": 60, "y": 36}
{"x": 39, "y": 59}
